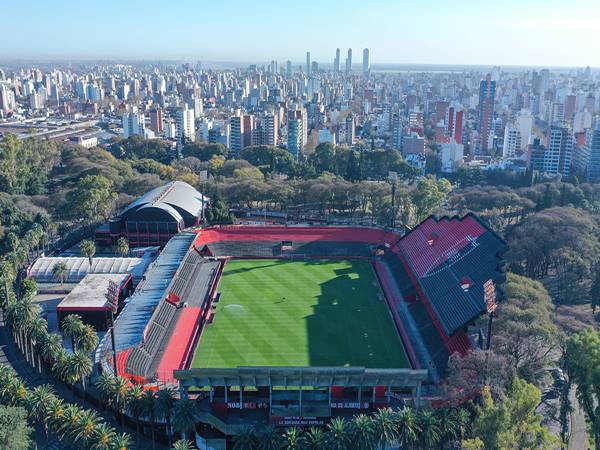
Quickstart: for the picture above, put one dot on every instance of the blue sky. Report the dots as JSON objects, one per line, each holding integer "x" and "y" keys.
{"x": 507, "y": 32}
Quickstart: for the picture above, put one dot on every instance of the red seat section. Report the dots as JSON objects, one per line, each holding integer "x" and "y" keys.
{"x": 434, "y": 242}
{"x": 299, "y": 234}
{"x": 180, "y": 344}
{"x": 121, "y": 358}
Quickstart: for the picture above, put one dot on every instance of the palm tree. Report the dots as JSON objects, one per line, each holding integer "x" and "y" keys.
{"x": 464, "y": 421}
{"x": 84, "y": 432}
{"x": 246, "y": 439}
{"x": 123, "y": 247}
{"x": 37, "y": 329}
{"x": 8, "y": 275}
{"x": 75, "y": 368}
{"x": 38, "y": 402}
{"x": 120, "y": 397}
{"x": 121, "y": 442}
{"x": 71, "y": 326}
{"x": 135, "y": 408}
{"x": 449, "y": 425}
{"x": 270, "y": 439}
{"x": 88, "y": 248}
{"x": 362, "y": 430}
{"x": 293, "y": 438}
{"x": 184, "y": 417}
{"x": 105, "y": 386}
{"x": 56, "y": 414}
{"x": 314, "y": 439}
{"x": 87, "y": 339}
{"x": 65, "y": 420}
{"x": 385, "y": 421}
{"x": 51, "y": 347}
{"x": 338, "y": 434}
{"x": 103, "y": 438}
{"x": 165, "y": 401}
{"x": 13, "y": 391}
{"x": 429, "y": 425}
{"x": 19, "y": 315}
{"x": 60, "y": 272}
{"x": 148, "y": 407}
{"x": 408, "y": 428}
{"x": 182, "y": 444}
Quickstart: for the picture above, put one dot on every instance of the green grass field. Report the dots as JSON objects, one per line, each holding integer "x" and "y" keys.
{"x": 300, "y": 313}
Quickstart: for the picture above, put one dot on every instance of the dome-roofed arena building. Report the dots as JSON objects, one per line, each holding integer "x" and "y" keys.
{"x": 156, "y": 216}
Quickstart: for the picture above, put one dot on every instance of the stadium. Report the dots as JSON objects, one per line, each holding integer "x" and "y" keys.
{"x": 294, "y": 324}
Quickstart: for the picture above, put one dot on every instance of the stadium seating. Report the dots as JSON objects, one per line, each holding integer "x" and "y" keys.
{"x": 191, "y": 284}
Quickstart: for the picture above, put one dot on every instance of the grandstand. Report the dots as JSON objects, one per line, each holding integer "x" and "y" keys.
{"x": 434, "y": 282}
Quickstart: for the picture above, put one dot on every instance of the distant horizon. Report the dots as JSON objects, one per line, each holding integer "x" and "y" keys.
{"x": 535, "y": 33}
{"x": 357, "y": 66}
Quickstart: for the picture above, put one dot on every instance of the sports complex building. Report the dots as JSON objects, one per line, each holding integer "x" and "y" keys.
{"x": 296, "y": 324}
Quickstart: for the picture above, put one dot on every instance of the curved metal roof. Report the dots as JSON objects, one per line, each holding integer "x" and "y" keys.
{"x": 170, "y": 197}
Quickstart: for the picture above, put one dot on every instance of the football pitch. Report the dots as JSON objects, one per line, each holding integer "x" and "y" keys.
{"x": 300, "y": 313}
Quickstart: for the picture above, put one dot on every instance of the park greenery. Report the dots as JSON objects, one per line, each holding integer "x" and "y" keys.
{"x": 546, "y": 319}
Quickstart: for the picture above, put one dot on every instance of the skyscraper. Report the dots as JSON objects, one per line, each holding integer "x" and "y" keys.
{"x": 133, "y": 123}
{"x": 307, "y": 63}
{"x": 297, "y": 131}
{"x": 349, "y": 61}
{"x": 350, "y": 127}
{"x": 185, "y": 123}
{"x": 236, "y": 131}
{"x": 288, "y": 68}
{"x": 336, "y": 61}
{"x": 366, "y": 63}
{"x": 593, "y": 144}
{"x": 512, "y": 141}
{"x": 557, "y": 158}
{"x": 156, "y": 120}
{"x": 487, "y": 96}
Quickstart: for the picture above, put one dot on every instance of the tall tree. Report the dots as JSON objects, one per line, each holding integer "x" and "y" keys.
{"x": 92, "y": 199}
{"x": 71, "y": 326}
{"x": 165, "y": 402}
{"x": 338, "y": 434}
{"x": 123, "y": 246}
{"x": 15, "y": 433}
{"x": 582, "y": 359}
{"x": 60, "y": 272}
{"x": 88, "y": 249}
{"x": 513, "y": 422}
{"x": 184, "y": 418}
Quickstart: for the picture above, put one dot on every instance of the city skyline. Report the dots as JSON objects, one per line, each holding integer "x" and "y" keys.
{"x": 557, "y": 35}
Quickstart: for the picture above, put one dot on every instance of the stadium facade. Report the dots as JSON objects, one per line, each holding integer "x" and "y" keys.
{"x": 156, "y": 216}
{"x": 436, "y": 281}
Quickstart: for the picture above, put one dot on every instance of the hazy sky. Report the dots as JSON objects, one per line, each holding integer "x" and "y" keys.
{"x": 505, "y": 32}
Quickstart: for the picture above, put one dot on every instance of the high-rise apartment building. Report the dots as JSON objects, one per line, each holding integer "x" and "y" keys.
{"x": 186, "y": 126}
{"x": 236, "y": 130}
{"x": 593, "y": 144}
{"x": 349, "y": 61}
{"x": 525, "y": 127}
{"x": 350, "y": 129}
{"x": 487, "y": 96}
{"x": 557, "y": 158}
{"x": 248, "y": 126}
{"x": 512, "y": 141}
{"x": 336, "y": 61}
{"x": 156, "y": 120}
{"x": 454, "y": 123}
{"x": 133, "y": 123}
